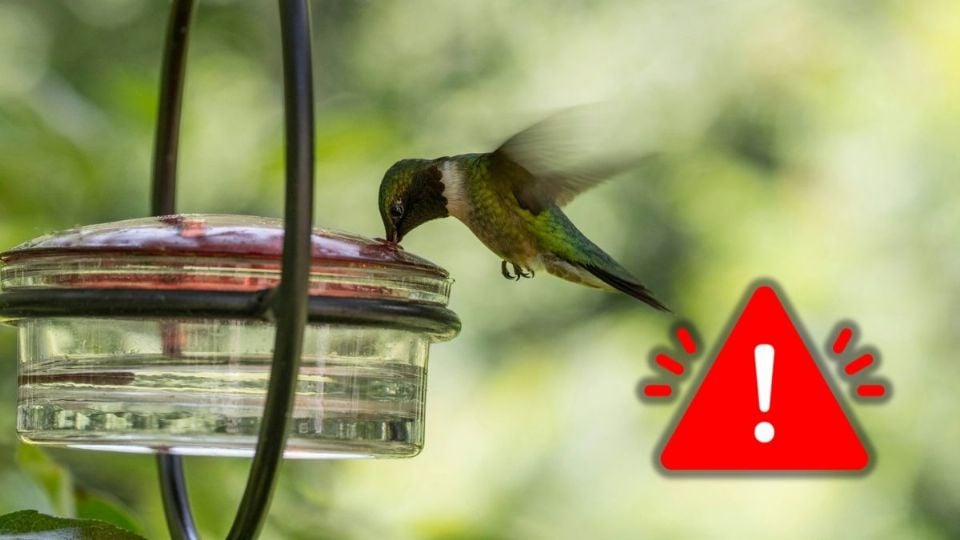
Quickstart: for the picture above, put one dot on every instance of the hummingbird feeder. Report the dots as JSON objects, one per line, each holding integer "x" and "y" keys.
{"x": 224, "y": 335}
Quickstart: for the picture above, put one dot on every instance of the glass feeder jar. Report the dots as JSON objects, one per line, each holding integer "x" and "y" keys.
{"x": 151, "y": 335}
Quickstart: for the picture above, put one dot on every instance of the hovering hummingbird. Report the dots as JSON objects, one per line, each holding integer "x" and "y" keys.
{"x": 512, "y": 203}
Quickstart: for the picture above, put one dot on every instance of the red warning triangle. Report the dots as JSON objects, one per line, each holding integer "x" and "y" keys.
{"x": 808, "y": 429}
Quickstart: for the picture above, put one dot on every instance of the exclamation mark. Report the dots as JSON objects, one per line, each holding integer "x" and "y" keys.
{"x": 763, "y": 361}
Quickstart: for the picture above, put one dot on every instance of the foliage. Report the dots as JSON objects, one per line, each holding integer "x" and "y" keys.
{"x": 27, "y": 524}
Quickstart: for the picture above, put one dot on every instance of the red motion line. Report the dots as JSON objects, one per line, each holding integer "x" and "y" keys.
{"x": 871, "y": 390}
{"x": 686, "y": 340}
{"x": 657, "y": 390}
{"x": 669, "y": 364}
{"x": 859, "y": 364}
{"x": 843, "y": 339}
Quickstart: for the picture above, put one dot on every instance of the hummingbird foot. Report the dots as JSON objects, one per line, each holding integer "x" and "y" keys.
{"x": 520, "y": 272}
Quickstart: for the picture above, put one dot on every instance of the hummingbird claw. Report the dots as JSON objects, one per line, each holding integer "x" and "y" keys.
{"x": 504, "y": 271}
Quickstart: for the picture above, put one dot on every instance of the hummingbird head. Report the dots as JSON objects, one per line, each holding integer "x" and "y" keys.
{"x": 411, "y": 193}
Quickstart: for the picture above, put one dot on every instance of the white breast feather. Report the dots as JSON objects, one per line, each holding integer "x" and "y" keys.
{"x": 454, "y": 190}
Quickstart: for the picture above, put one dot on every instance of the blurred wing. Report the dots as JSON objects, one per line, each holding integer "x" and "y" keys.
{"x": 548, "y": 163}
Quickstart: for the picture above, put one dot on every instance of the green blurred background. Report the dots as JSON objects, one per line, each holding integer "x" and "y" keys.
{"x": 815, "y": 142}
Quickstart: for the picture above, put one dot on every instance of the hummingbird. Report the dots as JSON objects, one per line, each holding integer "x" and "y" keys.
{"x": 511, "y": 202}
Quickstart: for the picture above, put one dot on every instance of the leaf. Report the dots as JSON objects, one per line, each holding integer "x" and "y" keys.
{"x": 32, "y": 525}
{"x": 55, "y": 479}
{"x": 20, "y": 491}
{"x": 102, "y": 508}
{"x": 67, "y": 500}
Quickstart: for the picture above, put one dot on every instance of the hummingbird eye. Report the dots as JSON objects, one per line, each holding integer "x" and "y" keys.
{"x": 396, "y": 211}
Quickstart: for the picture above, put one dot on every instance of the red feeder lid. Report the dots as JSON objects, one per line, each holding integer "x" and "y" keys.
{"x": 216, "y": 252}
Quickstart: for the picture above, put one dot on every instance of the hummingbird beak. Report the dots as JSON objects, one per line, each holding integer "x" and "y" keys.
{"x": 392, "y": 233}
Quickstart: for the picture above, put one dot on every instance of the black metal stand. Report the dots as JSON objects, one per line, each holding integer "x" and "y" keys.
{"x": 428, "y": 318}
{"x": 290, "y": 305}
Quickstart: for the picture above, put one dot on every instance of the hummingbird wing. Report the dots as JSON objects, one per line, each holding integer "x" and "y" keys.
{"x": 554, "y": 160}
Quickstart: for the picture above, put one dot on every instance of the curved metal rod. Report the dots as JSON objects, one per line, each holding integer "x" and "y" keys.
{"x": 166, "y": 141}
{"x": 291, "y": 301}
{"x": 173, "y": 489}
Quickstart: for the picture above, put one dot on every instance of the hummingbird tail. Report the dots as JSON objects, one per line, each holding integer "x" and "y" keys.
{"x": 625, "y": 285}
